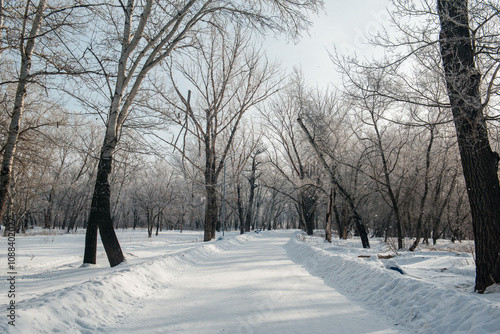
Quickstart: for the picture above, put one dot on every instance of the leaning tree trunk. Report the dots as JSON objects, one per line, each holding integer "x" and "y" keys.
{"x": 388, "y": 183}
{"x": 22, "y": 87}
{"x": 249, "y": 211}
{"x": 100, "y": 216}
{"x": 347, "y": 197}
{"x": 479, "y": 162}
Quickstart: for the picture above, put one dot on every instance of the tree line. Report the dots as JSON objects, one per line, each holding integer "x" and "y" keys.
{"x": 169, "y": 114}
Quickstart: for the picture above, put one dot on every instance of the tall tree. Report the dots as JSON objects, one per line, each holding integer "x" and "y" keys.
{"x": 151, "y": 31}
{"x": 35, "y": 37}
{"x": 26, "y": 49}
{"x": 335, "y": 182}
{"x": 479, "y": 162}
{"x": 229, "y": 78}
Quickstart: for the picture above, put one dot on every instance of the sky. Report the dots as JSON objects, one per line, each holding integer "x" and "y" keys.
{"x": 343, "y": 25}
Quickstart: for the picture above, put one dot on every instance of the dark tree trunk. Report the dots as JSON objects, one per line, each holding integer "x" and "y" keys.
{"x": 211, "y": 211}
{"x": 388, "y": 183}
{"x": 157, "y": 223}
{"x": 357, "y": 218}
{"x": 149, "y": 218}
{"x": 342, "y": 227}
{"x": 240, "y": 210}
{"x": 100, "y": 219}
{"x": 249, "y": 213}
{"x": 329, "y": 216}
{"x": 308, "y": 208}
{"x": 426, "y": 192}
{"x": 479, "y": 162}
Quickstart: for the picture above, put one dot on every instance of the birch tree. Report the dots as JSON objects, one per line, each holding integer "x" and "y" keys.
{"x": 26, "y": 48}
{"x": 26, "y": 31}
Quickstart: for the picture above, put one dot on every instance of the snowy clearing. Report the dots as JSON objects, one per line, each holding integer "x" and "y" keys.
{"x": 268, "y": 282}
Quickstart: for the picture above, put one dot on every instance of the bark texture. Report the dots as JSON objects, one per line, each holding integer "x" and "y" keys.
{"x": 479, "y": 162}
{"x": 100, "y": 219}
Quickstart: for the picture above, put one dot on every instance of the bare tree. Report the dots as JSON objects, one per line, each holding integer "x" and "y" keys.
{"x": 479, "y": 162}
{"x": 26, "y": 48}
{"x": 289, "y": 154}
{"x": 457, "y": 41}
{"x": 334, "y": 180}
{"x": 252, "y": 180}
{"x": 229, "y": 78}
{"x": 28, "y": 31}
{"x": 143, "y": 45}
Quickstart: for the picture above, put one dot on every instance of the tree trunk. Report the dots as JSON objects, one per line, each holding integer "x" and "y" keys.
{"x": 329, "y": 217}
{"x": 100, "y": 217}
{"x": 479, "y": 162}
{"x": 252, "y": 180}
{"x": 357, "y": 218}
{"x": 240, "y": 209}
{"x": 426, "y": 191}
{"x": 249, "y": 213}
{"x": 211, "y": 211}
{"x": 308, "y": 207}
{"x": 388, "y": 183}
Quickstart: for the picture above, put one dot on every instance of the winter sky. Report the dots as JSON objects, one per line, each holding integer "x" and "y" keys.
{"x": 342, "y": 25}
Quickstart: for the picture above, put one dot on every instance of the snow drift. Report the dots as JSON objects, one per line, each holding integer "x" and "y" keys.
{"x": 407, "y": 300}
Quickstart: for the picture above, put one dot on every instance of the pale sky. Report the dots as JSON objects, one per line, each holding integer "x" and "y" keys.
{"x": 344, "y": 25}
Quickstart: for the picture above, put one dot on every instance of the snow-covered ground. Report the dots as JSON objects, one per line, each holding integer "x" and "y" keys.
{"x": 268, "y": 282}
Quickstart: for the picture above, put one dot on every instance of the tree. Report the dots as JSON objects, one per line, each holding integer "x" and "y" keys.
{"x": 29, "y": 30}
{"x": 289, "y": 154}
{"x": 479, "y": 162}
{"x": 463, "y": 60}
{"x": 252, "y": 179}
{"x": 26, "y": 48}
{"x": 375, "y": 106}
{"x": 146, "y": 43}
{"x": 228, "y": 78}
{"x": 335, "y": 181}
{"x": 153, "y": 194}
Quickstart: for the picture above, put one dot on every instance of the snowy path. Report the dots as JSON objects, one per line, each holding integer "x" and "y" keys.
{"x": 252, "y": 288}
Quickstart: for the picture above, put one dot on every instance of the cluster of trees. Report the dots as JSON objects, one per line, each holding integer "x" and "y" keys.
{"x": 167, "y": 114}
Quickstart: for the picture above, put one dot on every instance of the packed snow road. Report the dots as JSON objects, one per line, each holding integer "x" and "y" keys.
{"x": 269, "y": 282}
{"x": 252, "y": 288}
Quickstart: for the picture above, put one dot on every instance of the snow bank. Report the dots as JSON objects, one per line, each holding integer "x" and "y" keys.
{"x": 407, "y": 300}
{"x": 91, "y": 306}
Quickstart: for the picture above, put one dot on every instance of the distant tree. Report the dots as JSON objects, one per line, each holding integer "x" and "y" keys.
{"x": 335, "y": 181}
{"x": 153, "y": 194}
{"x": 229, "y": 78}
{"x": 289, "y": 155}
{"x": 252, "y": 180}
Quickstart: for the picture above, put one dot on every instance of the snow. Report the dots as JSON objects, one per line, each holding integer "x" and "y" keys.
{"x": 270, "y": 282}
